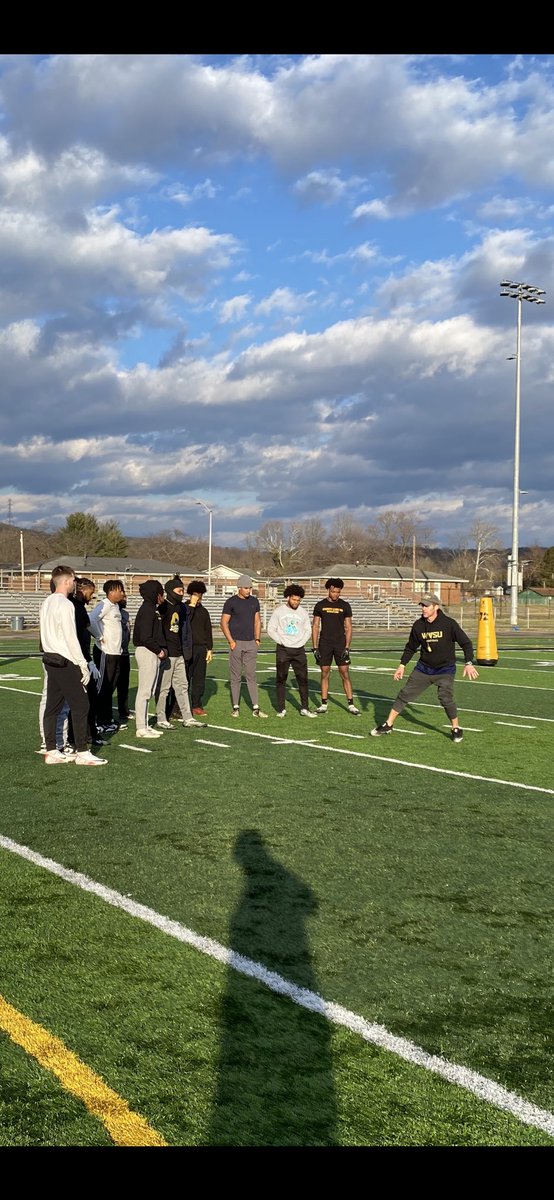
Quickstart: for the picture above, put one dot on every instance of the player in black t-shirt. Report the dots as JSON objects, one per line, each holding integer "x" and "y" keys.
{"x": 331, "y": 637}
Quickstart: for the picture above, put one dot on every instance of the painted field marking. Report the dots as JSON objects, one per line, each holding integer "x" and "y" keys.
{"x": 338, "y": 733}
{"x": 125, "y": 1127}
{"x": 466, "y": 728}
{"x": 29, "y": 678}
{"x": 293, "y": 741}
{"x": 206, "y": 742}
{"x": 513, "y": 725}
{"x": 137, "y": 749}
{"x": 22, "y": 691}
{"x": 401, "y": 762}
{"x": 377, "y": 1035}
{"x": 482, "y": 712}
{"x": 413, "y": 732}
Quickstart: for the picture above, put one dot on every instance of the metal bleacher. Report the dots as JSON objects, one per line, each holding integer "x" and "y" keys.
{"x": 387, "y": 613}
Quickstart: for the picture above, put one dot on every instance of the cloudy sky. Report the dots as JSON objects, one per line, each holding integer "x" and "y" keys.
{"x": 272, "y": 283}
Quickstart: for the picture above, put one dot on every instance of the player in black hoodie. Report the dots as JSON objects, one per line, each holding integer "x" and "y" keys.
{"x": 173, "y": 674}
{"x": 150, "y": 651}
{"x": 202, "y": 645}
{"x": 435, "y": 635}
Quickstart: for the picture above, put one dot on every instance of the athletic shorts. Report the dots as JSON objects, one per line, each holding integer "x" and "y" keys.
{"x": 329, "y": 651}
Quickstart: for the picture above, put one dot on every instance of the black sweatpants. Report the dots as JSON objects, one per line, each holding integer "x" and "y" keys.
{"x": 109, "y": 666}
{"x": 285, "y": 657}
{"x": 196, "y": 675}
{"x": 123, "y": 686}
{"x": 64, "y": 683}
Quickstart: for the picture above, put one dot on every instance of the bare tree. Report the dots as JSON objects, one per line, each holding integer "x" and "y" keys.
{"x": 393, "y": 533}
{"x": 282, "y": 543}
{"x": 315, "y": 544}
{"x": 348, "y": 539}
{"x": 479, "y": 557}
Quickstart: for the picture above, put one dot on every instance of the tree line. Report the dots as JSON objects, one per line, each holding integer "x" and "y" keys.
{"x": 286, "y": 547}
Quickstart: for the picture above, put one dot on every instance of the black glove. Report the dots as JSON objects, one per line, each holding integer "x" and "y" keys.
{"x": 316, "y": 654}
{"x": 345, "y": 657}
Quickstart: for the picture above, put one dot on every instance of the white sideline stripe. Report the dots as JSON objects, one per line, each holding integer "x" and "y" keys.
{"x": 137, "y": 749}
{"x": 378, "y": 1035}
{"x": 401, "y": 762}
{"x": 206, "y": 742}
{"x": 513, "y": 725}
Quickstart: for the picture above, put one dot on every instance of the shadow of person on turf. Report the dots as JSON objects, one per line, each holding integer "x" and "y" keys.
{"x": 275, "y": 1081}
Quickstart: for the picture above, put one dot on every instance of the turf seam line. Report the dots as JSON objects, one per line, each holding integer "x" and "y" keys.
{"x": 378, "y": 1035}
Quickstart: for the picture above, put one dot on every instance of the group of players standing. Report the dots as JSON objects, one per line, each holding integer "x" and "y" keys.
{"x": 174, "y": 643}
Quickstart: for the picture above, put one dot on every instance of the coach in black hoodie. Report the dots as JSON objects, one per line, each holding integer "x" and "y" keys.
{"x": 150, "y": 651}
{"x": 178, "y": 636}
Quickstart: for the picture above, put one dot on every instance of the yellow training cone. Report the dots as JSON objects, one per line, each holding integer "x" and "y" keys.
{"x": 487, "y": 652}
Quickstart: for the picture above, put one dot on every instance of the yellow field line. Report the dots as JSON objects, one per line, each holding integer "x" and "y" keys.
{"x": 125, "y": 1127}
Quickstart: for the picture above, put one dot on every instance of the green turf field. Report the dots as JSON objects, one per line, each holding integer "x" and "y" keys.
{"x": 286, "y": 932}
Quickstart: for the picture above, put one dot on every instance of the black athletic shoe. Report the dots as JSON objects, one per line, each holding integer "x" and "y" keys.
{"x": 380, "y": 730}
{"x": 457, "y": 735}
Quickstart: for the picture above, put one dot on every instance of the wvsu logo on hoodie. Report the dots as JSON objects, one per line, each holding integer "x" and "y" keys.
{"x": 174, "y": 623}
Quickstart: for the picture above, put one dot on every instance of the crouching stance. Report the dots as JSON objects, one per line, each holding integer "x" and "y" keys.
{"x": 435, "y": 636}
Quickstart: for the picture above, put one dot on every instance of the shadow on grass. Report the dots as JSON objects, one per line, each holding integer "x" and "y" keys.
{"x": 275, "y": 1083}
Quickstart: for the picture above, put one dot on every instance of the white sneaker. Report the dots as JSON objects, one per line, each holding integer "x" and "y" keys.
{"x": 164, "y": 725}
{"x": 257, "y": 712}
{"x": 355, "y": 711}
{"x": 86, "y": 759}
{"x": 235, "y": 712}
{"x": 191, "y": 721}
{"x": 283, "y": 713}
{"x": 305, "y": 712}
{"x": 42, "y": 750}
{"x": 148, "y": 733}
{"x": 322, "y": 708}
{"x": 69, "y": 751}
{"x": 53, "y": 757}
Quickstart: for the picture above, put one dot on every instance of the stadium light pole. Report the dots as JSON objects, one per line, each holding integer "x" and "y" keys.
{"x": 519, "y": 292}
{"x": 210, "y": 515}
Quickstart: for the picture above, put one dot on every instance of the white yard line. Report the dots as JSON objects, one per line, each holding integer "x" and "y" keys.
{"x": 401, "y": 762}
{"x": 377, "y": 1035}
{"x": 206, "y": 742}
{"x": 339, "y": 733}
{"x": 467, "y": 728}
{"x": 513, "y": 725}
{"x": 138, "y": 749}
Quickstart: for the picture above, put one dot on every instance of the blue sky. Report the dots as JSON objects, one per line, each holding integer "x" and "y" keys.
{"x": 272, "y": 282}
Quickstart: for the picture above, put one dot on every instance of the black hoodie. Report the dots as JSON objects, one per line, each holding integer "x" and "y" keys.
{"x": 148, "y": 630}
{"x": 176, "y": 622}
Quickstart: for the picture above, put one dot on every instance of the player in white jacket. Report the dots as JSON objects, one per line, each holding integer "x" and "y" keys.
{"x": 290, "y": 627}
{"x": 67, "y": 671}
{"x": 106, "y": 626}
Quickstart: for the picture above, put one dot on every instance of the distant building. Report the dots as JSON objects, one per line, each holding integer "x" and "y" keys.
{"x": 375, "y": 582}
